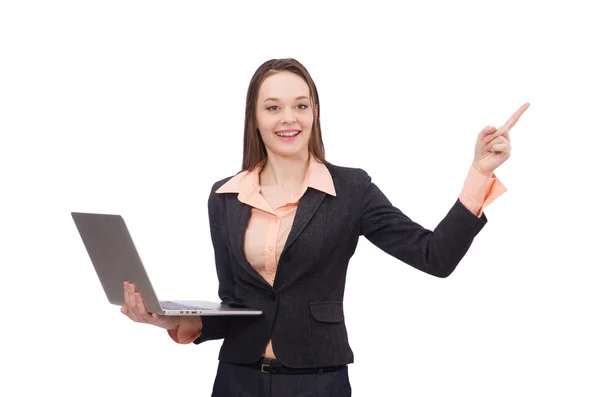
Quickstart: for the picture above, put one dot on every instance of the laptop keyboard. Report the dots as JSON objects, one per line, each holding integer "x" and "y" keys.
{"x": 168, "y": 305}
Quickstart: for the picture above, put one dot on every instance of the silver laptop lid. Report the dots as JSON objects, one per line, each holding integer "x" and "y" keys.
{"x": 114, "y": 256}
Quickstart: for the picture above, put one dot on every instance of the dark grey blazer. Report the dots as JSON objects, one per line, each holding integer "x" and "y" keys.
{"x": 303, "y": 311}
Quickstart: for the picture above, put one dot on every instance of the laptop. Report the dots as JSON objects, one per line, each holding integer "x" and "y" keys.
{"x": 116, "y": 260}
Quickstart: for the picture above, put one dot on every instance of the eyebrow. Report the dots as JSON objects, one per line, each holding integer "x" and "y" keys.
{"x": 297, "y": 98}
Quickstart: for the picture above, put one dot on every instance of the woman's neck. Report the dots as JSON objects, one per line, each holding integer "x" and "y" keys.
{"x": 287, "y": 173}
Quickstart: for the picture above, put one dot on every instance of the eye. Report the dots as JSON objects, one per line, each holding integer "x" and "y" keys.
{"x": 272, "y": 108}
{"x": 303, "y": 106}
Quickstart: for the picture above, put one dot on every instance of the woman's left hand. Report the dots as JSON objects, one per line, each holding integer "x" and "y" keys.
{"x": 493, "y": 145}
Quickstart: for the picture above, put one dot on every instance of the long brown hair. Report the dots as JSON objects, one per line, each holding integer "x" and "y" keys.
{"x": 254, "y": 147}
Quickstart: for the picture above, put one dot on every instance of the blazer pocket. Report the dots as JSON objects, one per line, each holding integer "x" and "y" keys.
{"x": 327, "y": 311}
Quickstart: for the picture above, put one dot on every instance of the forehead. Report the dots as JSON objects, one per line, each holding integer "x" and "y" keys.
{"x": 283, "y": 85}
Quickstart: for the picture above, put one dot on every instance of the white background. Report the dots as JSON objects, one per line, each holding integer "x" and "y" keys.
{"x": 136, "y": 108}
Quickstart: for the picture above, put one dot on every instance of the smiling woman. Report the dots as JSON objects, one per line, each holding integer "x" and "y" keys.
{"x": 284, "y": 120}
{"x": 283, "y": 231}
{"x": 282, "y": 105}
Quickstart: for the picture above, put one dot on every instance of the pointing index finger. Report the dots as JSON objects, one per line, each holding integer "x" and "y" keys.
{"x": 515, "y": 117}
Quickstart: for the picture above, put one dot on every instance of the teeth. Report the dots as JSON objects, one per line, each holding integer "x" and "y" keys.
{"x": 291, "y": 133}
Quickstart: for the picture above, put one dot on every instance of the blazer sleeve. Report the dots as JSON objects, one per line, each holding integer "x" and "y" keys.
{"x": 436, "y": 252}
{"x": 215, "y": 327}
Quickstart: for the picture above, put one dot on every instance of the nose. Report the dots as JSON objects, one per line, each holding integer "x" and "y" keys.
{"x": 288, "y": 117}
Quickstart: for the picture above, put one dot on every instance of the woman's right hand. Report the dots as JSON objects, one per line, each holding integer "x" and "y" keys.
{"x": 135, "y": 309}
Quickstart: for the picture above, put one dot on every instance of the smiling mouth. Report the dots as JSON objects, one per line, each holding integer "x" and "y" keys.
{"x": 288, "y": 134}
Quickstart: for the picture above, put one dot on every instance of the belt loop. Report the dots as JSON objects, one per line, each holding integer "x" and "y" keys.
{"x": 320, "y": 371}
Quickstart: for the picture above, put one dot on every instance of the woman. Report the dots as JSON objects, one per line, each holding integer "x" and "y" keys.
{"x": 284, "y": 230}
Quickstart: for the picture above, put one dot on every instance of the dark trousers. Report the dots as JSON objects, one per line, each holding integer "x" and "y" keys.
{"x": 245, "y": 381}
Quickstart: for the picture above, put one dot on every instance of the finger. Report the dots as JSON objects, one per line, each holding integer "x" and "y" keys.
{"x": 126, "y": 293}
{"x": 488, "y": 129}
{"x": 131, "y": 314}
{"x": 502, "y": 131}
{"x": 131, "y": 302}
{"x": 127, "y": 312}
{"x": 505, "y": 129}
{"x": 515, "y": 117}
{"x": 141, "y": 310}
{"x": 128, "y": 296}
{"x": 500, "y": 148}
{"x": 497, "y": 140}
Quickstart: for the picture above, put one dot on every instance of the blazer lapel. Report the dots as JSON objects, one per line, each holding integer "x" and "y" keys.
{"x": 238, "y": 216}
{"x": 307, "y": 206}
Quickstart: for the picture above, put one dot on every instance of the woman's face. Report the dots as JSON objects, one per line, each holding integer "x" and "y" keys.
{"x": 284, "y": 114}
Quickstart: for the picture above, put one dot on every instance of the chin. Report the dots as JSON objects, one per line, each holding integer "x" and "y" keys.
{"x": 288, "y": 152}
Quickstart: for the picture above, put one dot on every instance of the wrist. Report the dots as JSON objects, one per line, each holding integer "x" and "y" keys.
{"x": 174, "y": 324}
{"x": 190, "y": 322}
{"x": 477, "y": 168}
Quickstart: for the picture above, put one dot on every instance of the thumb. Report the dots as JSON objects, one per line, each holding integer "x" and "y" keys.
{"x": 157, "y": 318}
